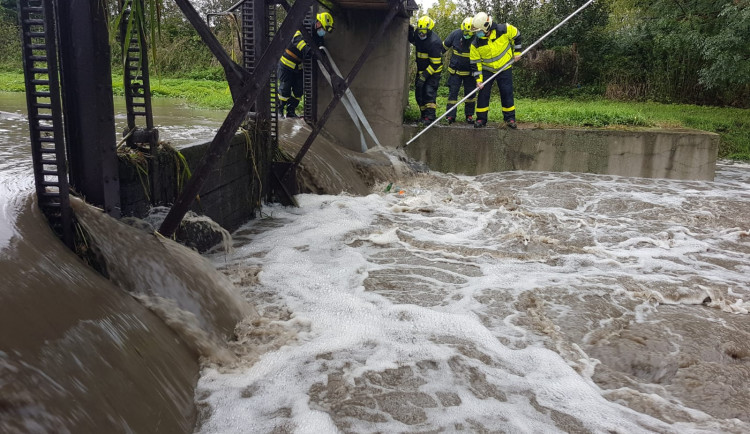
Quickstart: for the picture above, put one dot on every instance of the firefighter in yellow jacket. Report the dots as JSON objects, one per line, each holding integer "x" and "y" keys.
{"x": 291, "y": 83}
{"x": 493, "y": 47}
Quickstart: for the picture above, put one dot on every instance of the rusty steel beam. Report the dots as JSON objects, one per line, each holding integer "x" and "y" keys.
{"x": 246, "y": 98}
{"x": 340, "y": 86}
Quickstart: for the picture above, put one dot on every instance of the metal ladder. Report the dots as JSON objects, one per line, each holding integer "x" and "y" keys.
{"x": 37, "y": 18}
{"x": 250, "y": 56}
{"x": 310, "y": 77}
{"x": 273, "y": 80}
{"x": 137, "y": 86}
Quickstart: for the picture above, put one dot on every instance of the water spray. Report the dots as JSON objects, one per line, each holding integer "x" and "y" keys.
{"x": 507, "y": 65}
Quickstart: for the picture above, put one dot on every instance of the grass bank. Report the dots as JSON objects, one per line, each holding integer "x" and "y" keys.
{"x": 732, "y": 125}
{"x": 197, "y": 93}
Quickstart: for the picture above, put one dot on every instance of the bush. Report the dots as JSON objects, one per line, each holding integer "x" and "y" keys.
{"x": 10, "y": 41}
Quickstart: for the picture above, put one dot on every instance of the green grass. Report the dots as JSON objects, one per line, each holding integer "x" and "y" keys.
{"x": 11, "y": 81}
{"x": 209, "y": 94}
{"x": 197, "y": 93}
{"x": 732, "y": 125}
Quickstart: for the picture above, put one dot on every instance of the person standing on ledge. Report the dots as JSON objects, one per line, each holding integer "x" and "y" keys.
{"x": 459, "y": 69}
{"x": 494, "y": 45}
{"x": 429, "y": 66}
{"x": 291, "y": 83}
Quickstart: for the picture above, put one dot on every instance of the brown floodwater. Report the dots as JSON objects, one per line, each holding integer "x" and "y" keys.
{"x": 506, "y": 302}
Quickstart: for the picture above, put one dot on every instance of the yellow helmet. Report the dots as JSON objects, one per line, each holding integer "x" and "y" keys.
{"x": 481, "y": 21}
{"x": 326, "y": 21}
{"x": 425, "y": 24}
{"x": 466, "y": 25}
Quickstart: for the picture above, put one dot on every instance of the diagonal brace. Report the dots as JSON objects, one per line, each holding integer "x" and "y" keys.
{"x": 247, "y": 95}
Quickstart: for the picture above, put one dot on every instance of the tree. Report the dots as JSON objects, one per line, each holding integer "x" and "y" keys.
{"x": 446, "y": 16}
{"x": 692, "y": 51}
{"x": 730, "y": 59}
{"x": 10, "y": 41}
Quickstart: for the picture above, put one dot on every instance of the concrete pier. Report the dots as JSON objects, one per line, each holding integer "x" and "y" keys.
{"x": 646, "y": 153}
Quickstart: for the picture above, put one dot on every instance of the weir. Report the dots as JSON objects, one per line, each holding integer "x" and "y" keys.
{"x": 235, "y": 173}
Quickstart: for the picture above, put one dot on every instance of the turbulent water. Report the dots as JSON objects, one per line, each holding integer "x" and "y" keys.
{"x": 507, "y": 302}
{"x": 510, "y": 302}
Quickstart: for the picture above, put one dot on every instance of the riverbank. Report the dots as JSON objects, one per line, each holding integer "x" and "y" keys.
{"x": 732, "y": 124}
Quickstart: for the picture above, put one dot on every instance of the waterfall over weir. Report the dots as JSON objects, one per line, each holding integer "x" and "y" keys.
{"x": 79, "y": 353}
{"x": 175, "y": 282}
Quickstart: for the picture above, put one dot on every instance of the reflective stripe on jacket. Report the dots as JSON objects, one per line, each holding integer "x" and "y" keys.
{"x": 461, "y": 46}
{"x": 429, "y": 52}
{"x": 496, "y": 49}
{"x": 297, "y": 51}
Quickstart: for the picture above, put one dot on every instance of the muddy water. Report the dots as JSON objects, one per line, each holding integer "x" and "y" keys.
{"x": 504, "y": 302}
{"x": 77, "y": 353}
{"x": 512, "y": 302}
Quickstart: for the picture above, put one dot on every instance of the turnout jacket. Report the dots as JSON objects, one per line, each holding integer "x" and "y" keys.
{"x": 459, "y": 64}
{"x": 494, "y": 50}
{"x": 429, "y": 52}
{"x": 297, "y": 51}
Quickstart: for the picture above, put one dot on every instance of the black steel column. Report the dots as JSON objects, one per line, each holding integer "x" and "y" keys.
{"x": 87, "y": 102}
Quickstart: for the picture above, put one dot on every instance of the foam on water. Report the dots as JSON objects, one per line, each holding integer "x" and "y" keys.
{"x": 530, "y": 302}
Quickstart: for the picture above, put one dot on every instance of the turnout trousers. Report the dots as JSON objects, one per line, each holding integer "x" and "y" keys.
{"x": 291, "y": 86}
{"x": 454, "y": 85}
{"x": 505, "y": 84}
{"x": 425, "y": 92}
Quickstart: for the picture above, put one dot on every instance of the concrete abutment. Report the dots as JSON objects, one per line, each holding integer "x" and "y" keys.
{"x": 646, "y": 153}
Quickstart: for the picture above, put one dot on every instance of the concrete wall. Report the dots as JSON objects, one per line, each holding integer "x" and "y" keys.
{"x": 379, "y": 85}
{"x": 647, "y": 153}
{"x": 230, "y": 196}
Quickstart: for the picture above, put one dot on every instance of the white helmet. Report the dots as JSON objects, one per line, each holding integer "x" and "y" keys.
{"x": 481, "y": 21}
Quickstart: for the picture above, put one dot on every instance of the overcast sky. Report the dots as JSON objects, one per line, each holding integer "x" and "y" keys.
{"x": 426, "y": 4}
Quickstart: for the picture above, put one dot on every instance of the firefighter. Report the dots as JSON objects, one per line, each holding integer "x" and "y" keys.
{"x": 429, "y": 49}
{"x": 494, "y": 45}
{"x": 459, "y": 69}
{"x": 290, "y": 66}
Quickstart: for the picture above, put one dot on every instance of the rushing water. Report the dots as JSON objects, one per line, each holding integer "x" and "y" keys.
{"x": 506, "y": 302}
{"x": 517, "y": 301}
{"x": 77, "y": 354}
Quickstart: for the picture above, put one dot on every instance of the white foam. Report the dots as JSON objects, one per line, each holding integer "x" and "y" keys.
{"x": 452, "y": 286}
